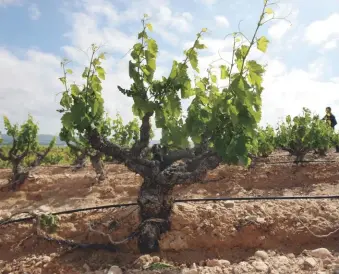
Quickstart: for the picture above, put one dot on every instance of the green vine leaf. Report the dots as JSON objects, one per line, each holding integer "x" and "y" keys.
{"x": 223, "y": 72}
{"x": 262, "y": 44}
{"x": 101, "y": 72}
{"x": 149, "y": 26}
{"x": 269, "y": 11}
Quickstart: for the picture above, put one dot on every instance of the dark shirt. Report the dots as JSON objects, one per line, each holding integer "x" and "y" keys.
{"x": 331, "y": 119}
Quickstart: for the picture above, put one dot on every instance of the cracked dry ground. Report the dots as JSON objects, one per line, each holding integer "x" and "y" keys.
{"x": 206, "y": 237}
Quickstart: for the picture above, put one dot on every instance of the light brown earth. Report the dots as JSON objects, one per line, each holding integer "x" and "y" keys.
{"x": 206, "y": 237}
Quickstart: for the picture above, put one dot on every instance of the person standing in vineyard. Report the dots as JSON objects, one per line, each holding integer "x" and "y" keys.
{"x": 331, "y": 120}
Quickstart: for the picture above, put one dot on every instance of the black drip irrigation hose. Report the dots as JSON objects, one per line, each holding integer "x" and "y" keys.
{"x": 257, "y": 198}
{"x": 292, "y": 162}
{"x": 65, "y": 212}
{"x": 195, "y": 200}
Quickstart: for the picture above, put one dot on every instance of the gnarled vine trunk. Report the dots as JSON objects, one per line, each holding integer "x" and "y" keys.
{"x": 160, "y": 174}
{"x": 155, "y": 204}
{"x": 80, "y": 161}
{"x": 299, "y": 152}
{"x": 322, "y": 152}
{"x": 98, "y": 166}
{"x": 19, "y": 175}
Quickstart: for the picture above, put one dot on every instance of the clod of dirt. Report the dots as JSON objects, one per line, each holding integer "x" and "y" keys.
{"x": 114, "y": 270}
{"x": 310, "y": 262}
{"x": 190, "y": 271}
{"x": 224, "y": 263}
{"x": 260, "y": 266}
{"x": 261, "y": 254}
{"x": 243, "y": 267}
{"x": 218, "y": 263}
{"x": 229, "y": 204}
{"x": 321, "y": 253}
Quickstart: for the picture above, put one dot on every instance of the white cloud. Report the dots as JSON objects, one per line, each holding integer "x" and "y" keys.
{"x": 316, "y": 68}
{"x": 275, "y": 68}
{"x": 288, "y": 91}
{"x": 335, "y": 80}
{"x": 35, "y": 93}
{"x": 4, "y": 3}
{"x": 34, "y": 12}
{"x": 221, "y": 21}
{"x": 285, "y": 10}
{"x": 321, "y": 31}
{"x": 286, "y": 15}
{"x": 292, "y": 41}
{"x": 169, "y": 25}
{"x": 102, "y": 7}
{"x": 278, "y": 30}
{"x": 86, "y": 31}
{"x": 209, "y": 2}
{"x": 332, "y": 44}
{"x": 75, "y": 54}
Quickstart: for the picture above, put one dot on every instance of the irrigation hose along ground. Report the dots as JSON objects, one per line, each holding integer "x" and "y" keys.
{"x": 181, "y": 201}
{"x": 293, "y": 162}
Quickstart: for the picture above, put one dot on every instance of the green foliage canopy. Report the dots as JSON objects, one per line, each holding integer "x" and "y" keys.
{"x": 223, "y": 119}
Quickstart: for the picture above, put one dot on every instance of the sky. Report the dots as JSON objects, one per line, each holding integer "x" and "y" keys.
{"x": 36, "y": 35}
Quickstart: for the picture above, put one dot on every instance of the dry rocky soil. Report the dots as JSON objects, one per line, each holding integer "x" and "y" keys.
{"x": 265, "y": 236}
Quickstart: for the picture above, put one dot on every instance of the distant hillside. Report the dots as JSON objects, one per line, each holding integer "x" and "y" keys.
{"x": 44, "y": 139}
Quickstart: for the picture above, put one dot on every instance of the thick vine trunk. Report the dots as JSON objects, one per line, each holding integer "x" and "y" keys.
{"x": 161, "y": 174}
{"x": 80, "y": 161}
{"x": 300, "y": 157}
{"x": 19, "y": 175}
{"x": 322, "y": 152}
{"x": 98, "y": 166}
{"x": 155, "y": 204}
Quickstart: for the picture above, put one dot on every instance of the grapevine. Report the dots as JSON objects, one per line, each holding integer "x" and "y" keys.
{"x": 265, "y": 143}
{"x": 86, "y": 99}
{"x": 221, "y": 122}
{"x": 303, "y": 134}
{"x": 24, "y": 154}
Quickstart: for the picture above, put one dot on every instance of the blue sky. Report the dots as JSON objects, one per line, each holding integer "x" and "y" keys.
{"x": 35, "y": 35}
